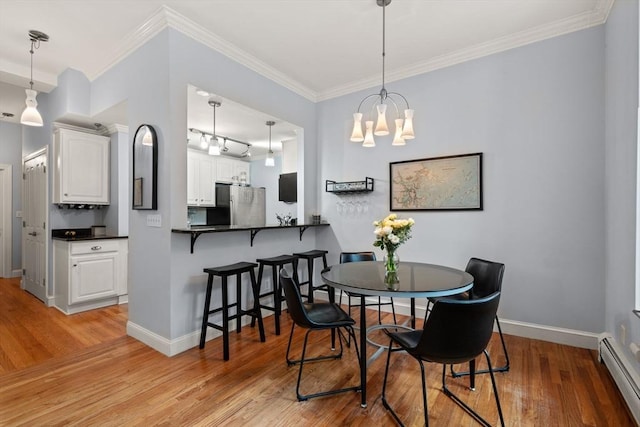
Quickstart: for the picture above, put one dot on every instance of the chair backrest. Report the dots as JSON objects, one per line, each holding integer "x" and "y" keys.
{"x": 356, "y": 257}
{"x": 292, "y": 295}
{"x": 487, "y": 277}
{"x": 457, "y": 331}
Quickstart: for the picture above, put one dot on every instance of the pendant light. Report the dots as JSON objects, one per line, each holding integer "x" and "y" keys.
{"x": 269, "y": 161}
{"x": 30, "y": 116}
{"x": 214, "y": 145}
{"x": 403, "y": 127}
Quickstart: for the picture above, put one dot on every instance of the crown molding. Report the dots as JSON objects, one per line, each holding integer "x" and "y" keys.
{"x": 166, "y": 17}
{"x": 115, "y": 128}
{"x": 585, "y": 20}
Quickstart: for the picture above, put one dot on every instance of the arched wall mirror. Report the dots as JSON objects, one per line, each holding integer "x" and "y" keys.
{"x": 145, "y": 169}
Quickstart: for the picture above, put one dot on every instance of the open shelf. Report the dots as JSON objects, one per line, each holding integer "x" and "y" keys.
{"x": 349, "y": 187}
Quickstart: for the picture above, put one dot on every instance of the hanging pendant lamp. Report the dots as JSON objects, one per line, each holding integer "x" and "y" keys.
{"x": 30, "y": 116}
{"x": 381, "y": 101}
{"x": 270, "y": 161}
{"x": 214, "y": 144}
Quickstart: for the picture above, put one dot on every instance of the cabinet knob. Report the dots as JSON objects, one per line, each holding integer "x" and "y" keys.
{"x": 66, "y": 194}
{"x": 96, "y": 248}
{"x": 75, "y": 265}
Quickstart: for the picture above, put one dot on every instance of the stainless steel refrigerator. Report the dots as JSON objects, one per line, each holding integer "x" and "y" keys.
{"x": 246, "y": 204}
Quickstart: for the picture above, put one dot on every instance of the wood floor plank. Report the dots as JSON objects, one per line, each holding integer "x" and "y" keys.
{"x": 82, "y": 370}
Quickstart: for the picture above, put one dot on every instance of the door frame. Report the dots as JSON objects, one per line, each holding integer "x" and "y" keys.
{"x": 49, "y": 286}
{"x": 6, "y": 239}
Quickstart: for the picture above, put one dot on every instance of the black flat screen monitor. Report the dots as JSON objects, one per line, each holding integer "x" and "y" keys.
{"x": 288, "y": 187}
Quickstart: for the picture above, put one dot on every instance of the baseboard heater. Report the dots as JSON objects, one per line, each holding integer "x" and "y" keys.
{"x": 623, "y": 374}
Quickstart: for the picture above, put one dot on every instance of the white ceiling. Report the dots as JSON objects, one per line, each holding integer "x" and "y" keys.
{"x": 317, "y": 48}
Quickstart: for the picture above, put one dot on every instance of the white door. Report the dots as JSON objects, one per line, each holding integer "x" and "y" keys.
{"x": 34, "y": 230}
{"x": 5, "y": 221}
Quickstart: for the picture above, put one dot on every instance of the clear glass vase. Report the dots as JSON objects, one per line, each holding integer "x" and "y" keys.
{"x": 391, "y": 263}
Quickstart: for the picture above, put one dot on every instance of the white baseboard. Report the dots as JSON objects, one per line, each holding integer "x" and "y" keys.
{"x": 553, "y": 334}
{"x": 563, "y": 336}
{"x": 16, "y": 273}
{"x": 623, "y": 373}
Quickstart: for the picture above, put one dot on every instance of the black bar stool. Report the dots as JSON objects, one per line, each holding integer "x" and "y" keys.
{"x": 224, "y": 272}
{"x": 276, "y": 263}
{"x": 311, "y": 256}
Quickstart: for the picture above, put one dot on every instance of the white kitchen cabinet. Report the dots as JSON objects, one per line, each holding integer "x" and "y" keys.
{"x": 201, "y": 177}
{"x": 89, "y": 274}
{"x": 232, "y": 170}
{"x": 81, "y": 167}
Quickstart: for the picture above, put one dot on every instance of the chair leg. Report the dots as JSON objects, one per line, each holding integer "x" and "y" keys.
{"x": 466, "y": 407}
{"x": 504, "y": 368}
{"x": 303, "y": 397}
{"x": 385, "y": 403}
{"x": 291, "y": 362}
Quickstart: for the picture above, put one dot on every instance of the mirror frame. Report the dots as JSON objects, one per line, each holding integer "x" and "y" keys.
{"x": 138, "y": 198}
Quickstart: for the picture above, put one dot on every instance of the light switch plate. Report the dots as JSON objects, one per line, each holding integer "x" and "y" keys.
{"x": 154, "y": 220}
{"x": 18, "y": 214}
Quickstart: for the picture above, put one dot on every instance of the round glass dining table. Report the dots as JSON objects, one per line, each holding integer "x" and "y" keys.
{"x": 415, "y": 280}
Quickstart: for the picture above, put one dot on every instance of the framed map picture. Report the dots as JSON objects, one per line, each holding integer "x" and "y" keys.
{"x": 437, "y": 184}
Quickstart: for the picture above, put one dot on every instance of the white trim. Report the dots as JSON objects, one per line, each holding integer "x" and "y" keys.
{"x": 6, "y": 240}
{"x": 166, "y": 17}
{"x": 574, "y": 23}
{"x": 553, "y": 334}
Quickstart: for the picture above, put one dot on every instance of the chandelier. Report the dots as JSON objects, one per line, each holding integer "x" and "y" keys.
{"x": 403, "y": 127}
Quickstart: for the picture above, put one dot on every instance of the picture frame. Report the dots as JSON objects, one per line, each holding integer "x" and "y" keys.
{"x": 447, "y": 183}
{"x": 137, "y": 192}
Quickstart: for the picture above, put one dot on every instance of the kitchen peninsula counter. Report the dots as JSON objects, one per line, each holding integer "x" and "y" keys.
{"x": 197, "y": 230}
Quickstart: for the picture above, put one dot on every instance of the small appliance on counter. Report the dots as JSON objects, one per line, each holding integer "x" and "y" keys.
{"x": 98, "y": 230}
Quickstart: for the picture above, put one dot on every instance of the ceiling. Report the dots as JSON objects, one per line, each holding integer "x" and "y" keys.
{"x": 317, "y": 48}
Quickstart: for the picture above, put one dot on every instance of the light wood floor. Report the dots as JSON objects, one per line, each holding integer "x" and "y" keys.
{"x": 83, "y": 370}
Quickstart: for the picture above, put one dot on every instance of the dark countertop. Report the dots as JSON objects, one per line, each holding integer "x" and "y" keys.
{"x": 224, "y": 228}
{"x": 79, "y": 234}
{"x": 197, "y": 230}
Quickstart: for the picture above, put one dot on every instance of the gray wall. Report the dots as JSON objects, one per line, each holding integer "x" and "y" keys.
{"x": 11, "y": 154}
{"x": 163, "y": 277}
{"x": 536, "y": 112}
{"x": 621, "y": 153}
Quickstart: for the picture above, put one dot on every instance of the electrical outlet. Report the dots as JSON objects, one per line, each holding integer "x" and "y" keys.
{"x": 623, "y": 334}
{"x": 18, "y": 214}
{"x": 154, "y": 220}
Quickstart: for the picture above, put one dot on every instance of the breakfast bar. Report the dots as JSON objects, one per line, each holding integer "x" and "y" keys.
{"x": 197, "y": 231}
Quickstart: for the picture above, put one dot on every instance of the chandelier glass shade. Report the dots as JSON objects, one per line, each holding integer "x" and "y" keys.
{"x": 377, "y": 105}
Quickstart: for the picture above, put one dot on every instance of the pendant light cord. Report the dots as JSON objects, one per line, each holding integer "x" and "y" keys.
{"x": 384, "y": 6}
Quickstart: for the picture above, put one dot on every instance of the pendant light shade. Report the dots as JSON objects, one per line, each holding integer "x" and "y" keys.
{"x": 368, "y": 137}
{"x": 356, "y": 134}
{"x": 30, "y": 116}
{"x": 270, "y": 161}
{"x": 214, "y": 146}
{"x": 397, "y": 138}
{"x": 385, "y": 101}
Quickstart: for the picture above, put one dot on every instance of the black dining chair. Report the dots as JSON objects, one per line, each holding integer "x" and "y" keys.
{"x": 358, "y": 257}
{"x": 456, "y": 331}
{"x": 315, "y": 316}
{"x": 487, "y": 279}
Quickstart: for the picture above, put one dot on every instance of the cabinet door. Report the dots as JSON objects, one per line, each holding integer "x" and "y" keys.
{"x": 93, "y": 277}
{"x": 83, "y": 167}
{"x": 206, "y": 181}
{"x": 192, "y": 178}
{"x": 224, "y": 169}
